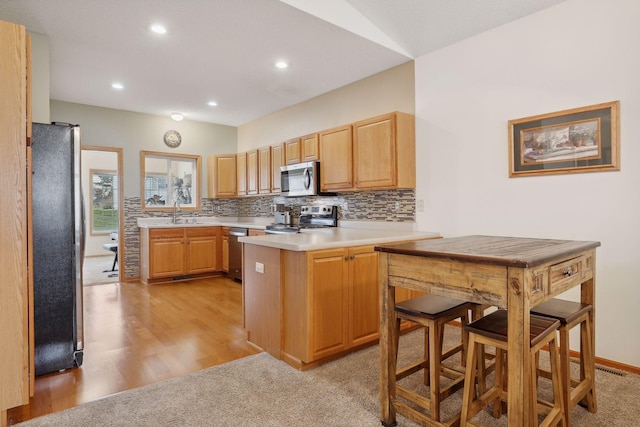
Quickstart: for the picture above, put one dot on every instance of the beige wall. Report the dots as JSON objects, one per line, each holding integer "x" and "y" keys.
{"x": 134, "y": 132}
{"x": 391, "y": 90}
{"x": 40, "y": 78}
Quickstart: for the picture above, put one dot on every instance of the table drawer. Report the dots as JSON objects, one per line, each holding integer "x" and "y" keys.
{"x": 567, "y": 274}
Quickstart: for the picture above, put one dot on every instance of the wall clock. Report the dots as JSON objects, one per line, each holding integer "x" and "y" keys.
{"x": 172, "y": 138}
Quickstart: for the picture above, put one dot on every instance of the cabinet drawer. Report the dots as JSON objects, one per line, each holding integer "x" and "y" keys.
{"x": 160, "y": 233}
{"x": 201, "y": 232}
{"x": 566, "y": 274}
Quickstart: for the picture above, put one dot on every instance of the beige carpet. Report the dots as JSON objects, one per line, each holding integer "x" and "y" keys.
{"x": 262, "y": 391}
{"x": 96, "y": 270}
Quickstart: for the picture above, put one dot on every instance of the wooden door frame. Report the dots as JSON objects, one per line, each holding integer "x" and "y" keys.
{"x": 120, "y": 173}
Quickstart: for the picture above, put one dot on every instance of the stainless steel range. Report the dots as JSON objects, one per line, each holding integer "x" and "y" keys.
{"x": 311, "y": 216}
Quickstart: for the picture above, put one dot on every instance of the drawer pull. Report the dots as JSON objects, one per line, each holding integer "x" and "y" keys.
{"x": 568, "y": 271}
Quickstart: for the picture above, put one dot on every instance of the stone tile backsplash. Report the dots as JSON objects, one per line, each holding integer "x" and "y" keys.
{"x": 388, "y": 205}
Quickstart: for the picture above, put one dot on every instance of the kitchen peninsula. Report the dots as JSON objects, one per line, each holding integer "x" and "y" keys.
{"x": 312, "y": 296}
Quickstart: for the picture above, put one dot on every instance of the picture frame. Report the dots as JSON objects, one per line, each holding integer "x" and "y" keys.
{"x": 578, "y": 140}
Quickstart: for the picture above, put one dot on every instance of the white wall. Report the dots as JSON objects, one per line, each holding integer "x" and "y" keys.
{"x": 578, "y": 53}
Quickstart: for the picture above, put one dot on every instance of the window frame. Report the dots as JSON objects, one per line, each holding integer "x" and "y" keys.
{"x": 115, "y": 197}
{"x": 194, "y": 188}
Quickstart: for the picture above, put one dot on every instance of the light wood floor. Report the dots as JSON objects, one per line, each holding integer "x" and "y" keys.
{"x": 137, "y": 335}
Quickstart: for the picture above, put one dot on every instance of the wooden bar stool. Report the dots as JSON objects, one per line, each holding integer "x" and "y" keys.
{"x": 432, "y": 312}
{"x": 491, "y": 330}
{"x": 571, "y": 314}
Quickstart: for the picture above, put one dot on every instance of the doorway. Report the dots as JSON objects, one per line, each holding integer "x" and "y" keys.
{"x": 102, "y": 179}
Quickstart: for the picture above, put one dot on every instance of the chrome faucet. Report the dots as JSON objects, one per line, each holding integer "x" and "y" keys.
{"x": 176, "y": 209}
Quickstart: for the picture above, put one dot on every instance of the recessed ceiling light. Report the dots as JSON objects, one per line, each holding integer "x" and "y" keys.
{"x": 159, "y": 29}
{"x": 117, "y": 86}
{"x": 212, "y": 103}
{"x": 281, "y": 64}
{"x": 177, "y": 116}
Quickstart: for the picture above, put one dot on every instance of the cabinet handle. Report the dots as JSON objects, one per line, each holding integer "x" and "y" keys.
{"x": 346, "y": 258}
{"x": 567, "y": 271}
{"x": 353, "y": 257}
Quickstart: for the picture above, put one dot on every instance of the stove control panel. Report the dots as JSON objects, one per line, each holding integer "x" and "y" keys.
{"x": 317, "y": 210}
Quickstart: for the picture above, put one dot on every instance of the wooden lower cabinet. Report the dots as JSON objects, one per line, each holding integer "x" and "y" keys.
{"x": 178, "y": 253}
{"x": 256, "y": 232}
{"x": 338, "y": 308}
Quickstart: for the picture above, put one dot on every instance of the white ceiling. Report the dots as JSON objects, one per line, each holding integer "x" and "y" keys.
{"x": 225, "y": 50}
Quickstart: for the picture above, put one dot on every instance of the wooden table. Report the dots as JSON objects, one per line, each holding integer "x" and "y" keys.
{"x": 508, "y": 272}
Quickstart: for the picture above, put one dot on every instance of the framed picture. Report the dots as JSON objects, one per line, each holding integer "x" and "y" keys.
{"x": 579, "y": 140}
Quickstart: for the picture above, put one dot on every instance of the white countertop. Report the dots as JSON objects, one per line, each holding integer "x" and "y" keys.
{"x": 348, "y": 233}
{"x": 205, "y": 221}
{"x": 339, "y": 237}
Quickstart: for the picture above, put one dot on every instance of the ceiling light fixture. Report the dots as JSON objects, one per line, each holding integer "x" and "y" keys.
{"x": 158, "y": 29}
{"x": 281, "y": 64}
{"x": 117, "y": 86}
{"x": 212, "y": 103}
{"x": 177, "y": 116}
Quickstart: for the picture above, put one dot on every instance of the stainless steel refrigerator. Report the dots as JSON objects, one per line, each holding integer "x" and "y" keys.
{"x": 58, "y": 244}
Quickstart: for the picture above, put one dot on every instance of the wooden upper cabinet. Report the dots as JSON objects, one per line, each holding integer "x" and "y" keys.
{"x": 384, "y": 152}
{"x": 310, "y": 147}
{"x": 292, "y": 151}
{"x": 252, "y": 172}
{"x": 336, "y": 167}
{"x": 221, "y": 173}
{"x": 277, "y": 160}
{"x": 241, "y": 174}
{"x": 264, "y": 170}
{"x": 303, "y": 149}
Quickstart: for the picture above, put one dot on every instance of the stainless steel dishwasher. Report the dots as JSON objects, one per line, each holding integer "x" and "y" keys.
{"x": 235, "y": 252}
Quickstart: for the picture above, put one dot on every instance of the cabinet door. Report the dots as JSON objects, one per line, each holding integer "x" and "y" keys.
{"x": 328, "y": 302}
{"x": 363, "y": 295}
{"x": 264, "y": 170}
{"x": 293, "y": 153}
{"x": 166, "y": 257}
{"x": 336, "y": 167}
{"x": 277, "y": 160}
{"x": 201, "y": 249}
{"x": 252, "y": 172}
{"x": 374, "y": 153}
{"x": 310, "y": 147}
{"x": 221, "y": 170}
{"x": 201, "y": 255}
{"x": 384, "y": 152}
{"x": 241, "y": 174}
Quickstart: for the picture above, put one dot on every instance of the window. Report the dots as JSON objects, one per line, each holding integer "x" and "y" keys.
{"x": 104, "y": 201}
{"x": 169, "y": 179}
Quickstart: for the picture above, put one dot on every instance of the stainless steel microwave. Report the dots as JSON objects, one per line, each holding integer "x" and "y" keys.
{"x": 300, "y": 179}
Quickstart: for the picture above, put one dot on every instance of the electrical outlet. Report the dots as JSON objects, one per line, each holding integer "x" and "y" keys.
{"x": 397, "y": 206}
{"x": 420, "y": 205}
{"x": 346, "y": 206}
{"x": 259, "y": 267}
